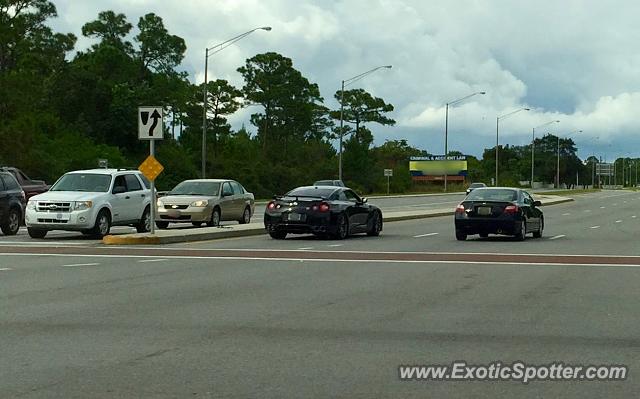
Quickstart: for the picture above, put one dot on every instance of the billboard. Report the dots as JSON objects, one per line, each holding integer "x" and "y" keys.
{"x": 438, "y": 166}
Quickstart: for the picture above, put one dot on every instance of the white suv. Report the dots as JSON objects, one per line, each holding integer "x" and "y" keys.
{"x": 91, "y": 201}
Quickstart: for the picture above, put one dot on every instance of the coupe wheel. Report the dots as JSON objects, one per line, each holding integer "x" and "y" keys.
{"x": 13, "y": 223}
{"x": 342, "y": 227}
{"x": 278, "y": 235}
{"x": 376, "y": 225}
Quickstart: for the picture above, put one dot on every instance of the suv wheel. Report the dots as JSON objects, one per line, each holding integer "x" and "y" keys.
{"x": 36, "y": 233}
{"x": 103, "y": 224}
{"x": 144, "y": 226}
{"x": 13, "y": 223}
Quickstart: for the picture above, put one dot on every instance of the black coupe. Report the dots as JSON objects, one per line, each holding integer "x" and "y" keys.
{"x": 507, "y": 211}
{"x": 323, "y": 211}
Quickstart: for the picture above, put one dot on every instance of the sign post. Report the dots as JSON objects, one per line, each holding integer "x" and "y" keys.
{"x": 388, "y": 173}
{"x": 151, "y": 127}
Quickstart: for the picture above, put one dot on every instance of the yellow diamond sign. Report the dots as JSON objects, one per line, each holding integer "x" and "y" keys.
{"x": 151, "y": 168}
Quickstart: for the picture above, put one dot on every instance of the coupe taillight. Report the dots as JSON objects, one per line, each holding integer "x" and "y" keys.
{"x": 271, "y": 205}
{"x": 460, "y": 209}
{"x": 324, "y": 207}
{"x": 511, "y": 209}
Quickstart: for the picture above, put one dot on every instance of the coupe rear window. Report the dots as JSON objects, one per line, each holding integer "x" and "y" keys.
{"x": 493, "y": 195}
{"x": 206, "y": 188}
{"x": 311, "y": 192}
{"x": 90, "y": 182}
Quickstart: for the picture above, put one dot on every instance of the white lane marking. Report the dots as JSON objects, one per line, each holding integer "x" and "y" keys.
{"x": 454, "y": 262}
{"x": 43, "y": 243}
{"x": 81, "y": 264}
{"x": 2, "y": 269}
{"x": 595, "y": 227}
{"x": 618, "y": 221}
{"x": 152, "y": 260}
{"x": 305, "y": 248}
{"x": 624, "y": 202}
{"x": 566, "y": 214}
{"x": 558, "y": 236}
{"x": 588, "y": 210}
{"x": 426, "y": 235}
{"x": 633, "y": 217}
{"x": 603, "y": 207}
{"x": 335, "y": 245}
{"x": 615, "y": 204}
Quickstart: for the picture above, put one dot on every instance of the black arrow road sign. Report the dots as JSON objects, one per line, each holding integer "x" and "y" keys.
{"x": 155, "y": 116}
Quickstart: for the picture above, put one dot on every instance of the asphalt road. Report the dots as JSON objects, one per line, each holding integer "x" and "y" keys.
{"x": 303, "y": 317}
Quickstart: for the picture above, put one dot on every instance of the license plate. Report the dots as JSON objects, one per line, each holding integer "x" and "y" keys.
{"x": 296, "y": 217}
{"x": 58, "y": 216}
{"x": 484, "y": 210}
{"x": 173, "y": 214}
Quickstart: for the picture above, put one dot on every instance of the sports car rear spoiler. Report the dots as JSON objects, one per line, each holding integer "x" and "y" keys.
{"x": 297, "y": 197}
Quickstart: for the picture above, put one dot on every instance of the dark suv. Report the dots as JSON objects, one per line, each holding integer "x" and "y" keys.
{"x": 12, "y": 204}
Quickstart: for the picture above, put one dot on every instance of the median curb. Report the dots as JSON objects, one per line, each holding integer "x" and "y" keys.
{"x": 172, "y": 236}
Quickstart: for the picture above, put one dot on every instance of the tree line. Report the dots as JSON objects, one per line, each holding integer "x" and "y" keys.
{"x": 62, "y": 110}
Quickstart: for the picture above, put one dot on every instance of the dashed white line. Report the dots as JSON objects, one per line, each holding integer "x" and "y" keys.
{"x": 595, "y": 227}
{"x": 81, "y": 264}
{"x": 558, "y": 236}
{"x": 335, "y": 245}
{"x": 3, "y": 269}
{"x": 618, "y": 221}
{"x": 152, "y": 260}
{"x": 633, "y": 217}
{"x": 615, "y": 204}
{"x": 566, "y": 214}
{"x": 603, "y": 207}
{"x": 426, "y": 235}
{"x": 588, "y": 210}
{"x": 305, "y": 248}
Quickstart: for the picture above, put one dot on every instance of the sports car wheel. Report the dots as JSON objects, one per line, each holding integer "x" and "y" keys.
{"x": 376, "y": 225}
{"x": 343, "y": 227}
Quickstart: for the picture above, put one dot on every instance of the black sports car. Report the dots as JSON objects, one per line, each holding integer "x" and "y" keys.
{"x": 508, "y": 211}
{"x": 322, "y": 211}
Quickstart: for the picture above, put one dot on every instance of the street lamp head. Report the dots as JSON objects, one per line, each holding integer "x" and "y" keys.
{"x": 526, "y": 109}
{"x": 267, "y": 28}
{"x": 387, "y": 66}
{"x": 482, "y": 92}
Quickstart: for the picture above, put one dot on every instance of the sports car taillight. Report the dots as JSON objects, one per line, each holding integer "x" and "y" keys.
{"x": 460, "y": 209}
{"x": 271, "y": 205}
{"x": 511, "y": 209}
{"x": 324, "y": 207}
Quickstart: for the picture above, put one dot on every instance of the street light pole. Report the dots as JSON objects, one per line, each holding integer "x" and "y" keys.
{"x": 218, "y": 47}
{"x": 348, "y": 82}
{"x": 446, "y": 129}
{"x": 498, "y": 135}
{"x": 533, "y": 144}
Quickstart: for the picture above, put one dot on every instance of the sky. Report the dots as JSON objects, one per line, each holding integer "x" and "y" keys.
{"x": 569, "y": 60}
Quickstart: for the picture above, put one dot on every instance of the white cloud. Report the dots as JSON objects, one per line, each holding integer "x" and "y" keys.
{"x": 569, "y": 60}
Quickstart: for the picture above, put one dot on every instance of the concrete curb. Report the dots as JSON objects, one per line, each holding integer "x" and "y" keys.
{"x": 214, "y": 233}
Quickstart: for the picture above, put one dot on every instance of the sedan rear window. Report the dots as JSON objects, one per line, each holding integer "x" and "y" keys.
{"x": 491, "y": 194}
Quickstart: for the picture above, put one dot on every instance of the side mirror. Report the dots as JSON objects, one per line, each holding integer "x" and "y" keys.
{"x": 537, "y": 203}
{"x": 119, "y": 190}
{"x": 365, "y": 200}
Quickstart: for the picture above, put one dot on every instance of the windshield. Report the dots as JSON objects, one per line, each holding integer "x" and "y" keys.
{"x": 311, "y": 192}
{"x": 205, "y": 188}
{"x": 90, "y": 182}
{"x": 491, "y": 194}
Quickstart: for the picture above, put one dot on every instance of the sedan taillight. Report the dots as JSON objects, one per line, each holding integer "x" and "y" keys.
{"x": 460, "y": 209}
{"x": 511, "y": 209}
{"x": 271, "y": 205}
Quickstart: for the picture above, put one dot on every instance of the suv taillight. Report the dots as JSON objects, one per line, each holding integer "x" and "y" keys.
{"x": 511, "y": 209}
